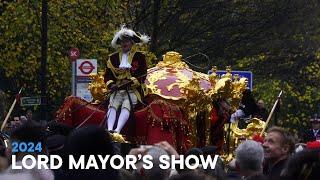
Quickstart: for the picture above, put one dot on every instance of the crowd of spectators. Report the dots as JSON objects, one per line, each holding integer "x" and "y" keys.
{"x": 278, "y": 157}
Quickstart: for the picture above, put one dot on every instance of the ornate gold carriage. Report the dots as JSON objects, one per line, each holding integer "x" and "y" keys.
{"x": 172, "y": 80}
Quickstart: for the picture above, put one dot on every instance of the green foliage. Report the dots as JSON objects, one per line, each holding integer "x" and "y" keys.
{"x": 277, "y": 40}
{"x": 88, "y": 26}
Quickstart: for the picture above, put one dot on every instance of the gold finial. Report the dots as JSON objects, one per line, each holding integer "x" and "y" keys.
{"x": 214, "y": 69}
{"x": 228, "y": 73}
{"x": 213, "y": 76}
{"x": 172, "y": 59}
{"x": 228, "y": 69}
{"x": 172, "y": 56}
{"x": 236, "y": 77}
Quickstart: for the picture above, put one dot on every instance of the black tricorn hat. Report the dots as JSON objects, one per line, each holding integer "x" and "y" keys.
{"x": 125, "y": 33}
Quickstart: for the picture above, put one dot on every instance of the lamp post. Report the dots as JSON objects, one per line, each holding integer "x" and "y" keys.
{"x": 43, "y": 67}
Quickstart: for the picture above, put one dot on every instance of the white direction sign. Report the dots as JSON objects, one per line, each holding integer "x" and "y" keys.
{"x": 86, "y": 66}
{"x": 82, "y": 68}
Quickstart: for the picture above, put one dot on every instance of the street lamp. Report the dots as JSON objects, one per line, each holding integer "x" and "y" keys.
{"x": 43, "y": 67}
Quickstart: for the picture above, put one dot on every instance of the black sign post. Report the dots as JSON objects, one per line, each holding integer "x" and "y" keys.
{"x": 43, "y": 67}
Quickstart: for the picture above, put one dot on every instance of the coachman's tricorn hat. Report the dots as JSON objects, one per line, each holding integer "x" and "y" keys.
{"x": 124, "y": 33}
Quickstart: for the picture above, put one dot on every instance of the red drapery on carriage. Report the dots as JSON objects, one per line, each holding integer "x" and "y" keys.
{"x": 159, "y": 121}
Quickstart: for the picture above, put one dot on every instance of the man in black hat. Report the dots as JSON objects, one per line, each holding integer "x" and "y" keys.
{"x": 124, "y": 75}
{"x": 313, "y": 134}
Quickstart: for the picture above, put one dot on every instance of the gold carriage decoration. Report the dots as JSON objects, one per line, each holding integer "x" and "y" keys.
{"x": 173, "y": 80}
{"x": 237, "y": 135}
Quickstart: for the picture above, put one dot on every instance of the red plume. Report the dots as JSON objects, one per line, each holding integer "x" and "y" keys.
{"x": 313, "y": 145}
{"x": 258, "y": 138}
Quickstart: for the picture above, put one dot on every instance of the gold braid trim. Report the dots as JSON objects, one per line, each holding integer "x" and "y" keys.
{"x": 109, "y": 82}
{"x": 135, "y": 81}
{"x": 120, "y": 74}
{"x": 117, "y": 73}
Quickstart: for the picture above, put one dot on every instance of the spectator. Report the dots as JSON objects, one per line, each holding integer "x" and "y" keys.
{"x": 23, "y": 119}
{"x": 29, "y": 115}
{"x": 3, "y": 156}
{"x": 126, "y": 175}
{"x": 313, "y": 134}
{"x": 155, "y": 173}
{"x": 3, "y": 163}
{"x": 54, "y": 128}
{"x": 303, "y": 165}
{"x": 194, "y": 151}
{"x": 15, "y": 123}
{"x": 191, "y": 176}
{"x": 89, "y": 140}
{"x": 278, "y": 146}
{"x": 56, "y": 139}
{"x": 249, "y": 158}
{"x": 28, "y": 132}
{"x": 262, "y": 112}
{"x": 55, "y": 146}
{"x": 217, "y": 173}
{"x": 232, "y": 171}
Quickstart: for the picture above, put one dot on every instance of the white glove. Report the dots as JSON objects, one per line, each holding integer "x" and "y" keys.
{"x": 239, "y": 113}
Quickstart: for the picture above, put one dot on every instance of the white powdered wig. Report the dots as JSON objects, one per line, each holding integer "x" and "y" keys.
{"x": 124, "y": 31}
